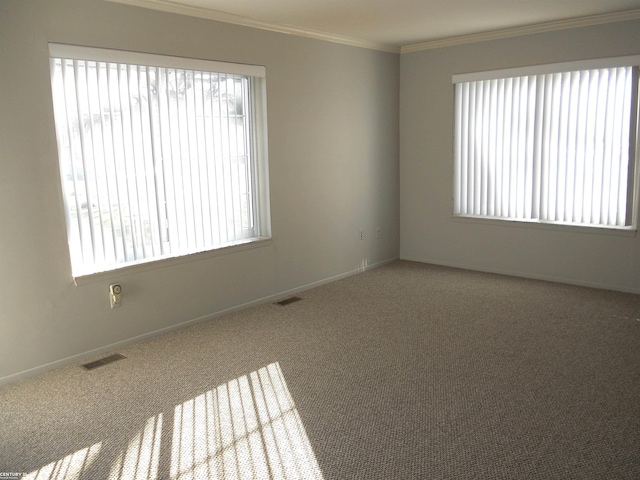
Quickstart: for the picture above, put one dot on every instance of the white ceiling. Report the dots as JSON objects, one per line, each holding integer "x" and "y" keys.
{"x": 391, "y": 24}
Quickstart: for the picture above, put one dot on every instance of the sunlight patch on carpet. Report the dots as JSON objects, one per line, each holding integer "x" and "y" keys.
{"x": 248, "y": 428}
{"x": 69, "y": 467}
{"x": 140, "y": 460}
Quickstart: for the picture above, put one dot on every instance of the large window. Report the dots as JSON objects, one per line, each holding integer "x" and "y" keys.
{"x": 159, "y": 156}
{"x": 553, "y": 144}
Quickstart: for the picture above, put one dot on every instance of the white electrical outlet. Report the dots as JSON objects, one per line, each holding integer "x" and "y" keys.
{"x": 115, "y": 295}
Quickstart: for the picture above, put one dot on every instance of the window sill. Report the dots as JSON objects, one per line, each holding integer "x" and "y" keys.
{"x": 560, "y": 227}
{"x": 149, "y": 265}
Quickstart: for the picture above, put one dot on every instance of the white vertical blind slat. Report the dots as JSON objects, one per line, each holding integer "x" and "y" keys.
{"x": 86, "y": 232}
{"x": 148, "y": 223}
{"x": 189, "y": 161}
{"x": 155, "y": 170}
{"x": 629, "y": 130}
{"x": 514, "y": 154}
{"x": 608, "y": 146}
{"x": 111, "y": 80}
{"x": 632, "y": 166}
{"x": 121, "y": 160}
{"x": 249, "y": 136}
{"x": 465, "y": 152}
{"x": 620, "y": 169}
{"x": 204, "y": 159}
{"x": 464, "y": 149}
{"x": 530, "y": 150}
{"x": 571, "y": 133}
{"x": 538, "y": 146}
{"x": 240, "y": 156}
{"x": 591, "y": 119}
{"x": 129, "y": 160}
{"x": 544, "y": 153}
{"x": 211, "y": 163}
{"x": 240, "y": 145}
{"x": 180, "y": 138}
{"x": 90, "y": 157}
{"x": 230, "y": 180}
{"x": 64, "y": 111}
{"x": 561, "y": 165}
{"x": 505, "y": 130}
{"x": 107, "y": 156}
{"x": 520, "y": 146}
{"x": 196, "y": 158}
{"x": 476, "y": 180}
{"x": 221, "y": 164}
{"x": 554, "y": 143}
{"x": 457, "y": 148}
{"x": 166, "y": 162}
{"x": 233, "y": 155}
{"x": 493, "y": 143}
{"x": 578, "y": 145}
{"x": 601, "y": 145}
{"x": 472, "y": 146}
{"x": 485, "y": 126}
{"x": 185, "y": 153}
{"x": 138, "y": 143}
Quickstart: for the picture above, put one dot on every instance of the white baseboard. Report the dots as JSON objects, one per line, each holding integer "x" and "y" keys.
{"x": 84, "y": 356}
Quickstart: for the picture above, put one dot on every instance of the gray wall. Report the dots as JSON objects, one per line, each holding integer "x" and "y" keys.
{"x": 334, "y": 123}
{"x": 333, "y": 152}
{"x": 428, "y": 232}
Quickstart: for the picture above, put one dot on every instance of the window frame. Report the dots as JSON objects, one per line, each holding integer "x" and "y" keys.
{"x": 633, "y": 192}
{"x": 259, "y": 170}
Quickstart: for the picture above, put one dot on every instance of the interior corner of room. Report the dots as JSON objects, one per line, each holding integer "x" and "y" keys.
{"x": 359, "y": 138}
{"x": 360, "y": 144}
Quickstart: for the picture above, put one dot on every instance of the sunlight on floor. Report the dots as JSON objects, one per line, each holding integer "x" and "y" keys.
{"x": 363, "y": 265}
{"x": 140, "y": 461}
{"x": 248, "y": 428}
{"x": 69, "y": 467}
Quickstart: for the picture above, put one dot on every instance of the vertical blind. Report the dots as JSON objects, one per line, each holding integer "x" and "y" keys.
{"x": 550, "y": 147}
{"x": 155, "y": 161}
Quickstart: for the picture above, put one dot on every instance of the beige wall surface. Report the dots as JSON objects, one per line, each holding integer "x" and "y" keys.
{"x": 427, "y": 230}
{"x": 333, "y": 114}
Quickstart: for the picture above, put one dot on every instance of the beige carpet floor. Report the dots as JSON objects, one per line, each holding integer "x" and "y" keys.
{"x": 408, "y": 371}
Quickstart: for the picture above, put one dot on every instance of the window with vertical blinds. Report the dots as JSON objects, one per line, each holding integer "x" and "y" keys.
{"x": 159, "y": 156}
{"x": 552, "y": 144}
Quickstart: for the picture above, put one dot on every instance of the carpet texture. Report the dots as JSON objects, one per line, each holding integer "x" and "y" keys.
{"x": 408, "y": 371}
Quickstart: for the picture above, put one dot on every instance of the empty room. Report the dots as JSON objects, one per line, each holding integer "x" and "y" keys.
{"x": 319, "y": 239}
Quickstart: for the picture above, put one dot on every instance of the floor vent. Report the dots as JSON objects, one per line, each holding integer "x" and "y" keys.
{"x": 103, "y": 361}
{"x": 287, "y": 301}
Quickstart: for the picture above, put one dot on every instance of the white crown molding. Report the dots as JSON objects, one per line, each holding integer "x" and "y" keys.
{"x": 181, "y": 9}
{"x": 525, "y": 30}
{"x": 172, "y": 7}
